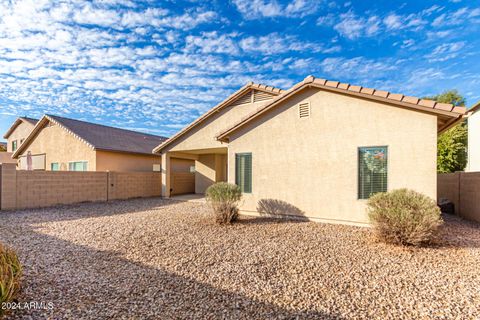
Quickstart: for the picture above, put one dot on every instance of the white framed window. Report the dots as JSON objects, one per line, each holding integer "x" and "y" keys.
{"x": 78, "y": 166}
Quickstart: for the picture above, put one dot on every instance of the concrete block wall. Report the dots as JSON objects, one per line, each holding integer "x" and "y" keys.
{"x": 124, "y": 185}
{"x": 33, "y": 189}
{"x": 463, "y": 189}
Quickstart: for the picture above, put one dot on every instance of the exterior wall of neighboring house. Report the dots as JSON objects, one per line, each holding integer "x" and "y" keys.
{"x": 473, "y": 145}
{"x": 20, "y": 133}
{"x": 6, "y": 157}
{"x": 310, "y": 165}
{"x": 116, "y": 161}
{"x": 60, "y": 147}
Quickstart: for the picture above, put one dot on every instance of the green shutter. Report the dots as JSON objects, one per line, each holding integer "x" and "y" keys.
{"x": 372, "y": 171}
{"x": 243, "y": 171}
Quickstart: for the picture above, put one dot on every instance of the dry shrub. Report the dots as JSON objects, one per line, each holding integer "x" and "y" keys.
{"x": 224, "y": 198}
{"x": 10, "y": 273}
{"x": 404, "y": 217}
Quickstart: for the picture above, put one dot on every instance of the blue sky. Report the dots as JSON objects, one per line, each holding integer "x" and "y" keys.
{"x": 155, "y": 66}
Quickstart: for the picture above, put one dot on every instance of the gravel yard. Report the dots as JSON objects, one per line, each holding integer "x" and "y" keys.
{"x": 161, "y": 259}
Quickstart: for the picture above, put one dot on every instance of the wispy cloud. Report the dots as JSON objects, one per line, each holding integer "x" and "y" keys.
{"x": 157, "y": 66}
{"x": 256, "y": 9}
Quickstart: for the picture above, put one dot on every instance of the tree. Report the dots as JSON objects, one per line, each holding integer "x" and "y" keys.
{"x": 452, "y": 144}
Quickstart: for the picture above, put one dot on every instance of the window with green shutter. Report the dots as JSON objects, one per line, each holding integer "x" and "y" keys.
{"x": 372, "y": 171}
{"x": 243, "y": 171}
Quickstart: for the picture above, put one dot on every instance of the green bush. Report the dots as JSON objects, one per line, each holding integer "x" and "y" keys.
{"x": 404, "y": 217}
{"x": 224, "y": 198}
{"x": 10, "y": 273}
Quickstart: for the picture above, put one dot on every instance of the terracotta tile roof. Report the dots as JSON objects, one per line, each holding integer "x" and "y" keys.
{"x": 218, "y": 107}
{"x": 414, "y": 103}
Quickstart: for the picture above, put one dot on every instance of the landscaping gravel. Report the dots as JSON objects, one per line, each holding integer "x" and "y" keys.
{"x": 163, "y": 259}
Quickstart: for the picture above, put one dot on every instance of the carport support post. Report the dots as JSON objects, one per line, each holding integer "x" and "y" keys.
{"x": 165, "y": 175}
{"x": 8, "y": 186}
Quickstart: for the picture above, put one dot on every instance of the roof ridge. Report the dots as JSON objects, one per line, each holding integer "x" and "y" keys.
{"x": 354, "y": 90}
{"x": 249, "y": 85}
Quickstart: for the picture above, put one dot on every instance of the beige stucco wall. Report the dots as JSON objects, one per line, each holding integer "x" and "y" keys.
{"x": 6, "y": 157}
{"x": 474, "y": 142}
{"x": 21, "y": 132}
{"x": 204, "y": 172}
{"x": 203, "y": 136}
{"x": 209, "y": 168}
{"x": 62, "y": 147}
{"x": 311, "y": 163}
{"x": 116, "y": 161}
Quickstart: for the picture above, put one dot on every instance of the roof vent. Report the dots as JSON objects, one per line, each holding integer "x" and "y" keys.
{"x": 304, "y": 110}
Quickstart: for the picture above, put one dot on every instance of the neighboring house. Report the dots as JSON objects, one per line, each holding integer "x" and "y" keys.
{"x": 18, "y": 132}
{"x": 3, "y": 147}
{"x": 473, "y": 163}
{"x": 58, "y": 143}
{"x": 319, "y": 149}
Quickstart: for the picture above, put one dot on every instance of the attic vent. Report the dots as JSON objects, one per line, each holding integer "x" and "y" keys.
{"x": 246, "y": 98}
{"x": 261, "y": 96}
{"x": 304, "y": 110}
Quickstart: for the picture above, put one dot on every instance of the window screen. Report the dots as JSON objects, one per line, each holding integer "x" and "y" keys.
{"x": 77, "y": 166}
{"x": 243, "y": 171}
{"x": 372, "y": 171}
{"x": 14, "y": 145}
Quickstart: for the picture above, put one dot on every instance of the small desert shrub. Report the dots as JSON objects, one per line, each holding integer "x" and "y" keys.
{"x": 404, "y": 217}
{"x": 10, "y": 273}
{"x": 224, "y": 198}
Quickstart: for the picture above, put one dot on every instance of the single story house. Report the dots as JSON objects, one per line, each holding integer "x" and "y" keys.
{"x": 473, "y": 163}
{"x": 58, "y": 143}
{"x": 319, "y": 149}
{"x": 18, "y": 132}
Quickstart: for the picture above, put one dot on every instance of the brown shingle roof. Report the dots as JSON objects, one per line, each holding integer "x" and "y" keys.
{"x": 99, "y": 137}
{"x": 17, "y": 123}
{"x": 102, "y": 137}
{"x": 423, "y": 105}
{"x": 30, "y": 120}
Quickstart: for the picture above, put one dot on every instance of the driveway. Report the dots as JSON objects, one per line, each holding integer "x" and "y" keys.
{"x": 163, "y": 259}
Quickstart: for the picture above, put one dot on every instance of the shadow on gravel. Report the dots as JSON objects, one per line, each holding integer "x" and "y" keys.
{"x": 86, "y": 210}
{"x": 84, "y": 283}
{"x": 458, "y": 232}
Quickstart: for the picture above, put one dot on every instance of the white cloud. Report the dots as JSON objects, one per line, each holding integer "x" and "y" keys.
{"x": 352, "y": 26}
{"x": 358, "y": 67}
{"x": 460, "y": 16}
{"x": 393, "y": 21}
{"x": 254, "y": 9}
{"x": 446, "y": 51}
